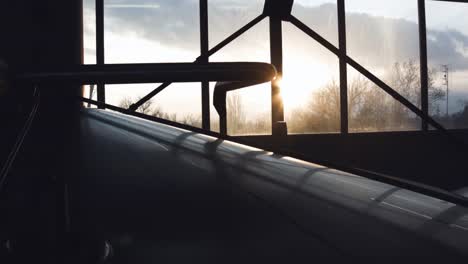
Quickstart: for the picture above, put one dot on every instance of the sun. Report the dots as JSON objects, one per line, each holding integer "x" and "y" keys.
{"x": 299, "y": 82}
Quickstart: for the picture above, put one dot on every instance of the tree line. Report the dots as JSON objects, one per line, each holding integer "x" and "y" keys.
{"x": 369, "y": 107}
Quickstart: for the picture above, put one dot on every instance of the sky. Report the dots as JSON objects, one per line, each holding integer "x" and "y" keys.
{"x": 379, "y": 34}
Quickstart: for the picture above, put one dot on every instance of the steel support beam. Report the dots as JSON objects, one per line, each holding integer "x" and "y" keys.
{"x": 276, "y": 53}
{"x": 389, "y": 90}
{"x": 236, "y": 34}
{"x": 423, "y": 61}
{"x": 204, "y": 48}
{"x": 101, "y": 92}
{"x": 344, "y": 115}
{"x": 210, "y": 52}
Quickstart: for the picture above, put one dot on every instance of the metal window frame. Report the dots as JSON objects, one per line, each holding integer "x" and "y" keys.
{"x": 204, "y": 48}
{"x": 344, "y": 115}
{"x": 100, "y": 59}
{"x": 277, "y": 59}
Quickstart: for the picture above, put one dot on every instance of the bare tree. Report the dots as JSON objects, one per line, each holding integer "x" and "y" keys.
{"x": 147, "y": 108}
{"x": 126, "y": 102}
{"x": 172, "y": 117}
{"x": 158, "y": 112}
{"x": 192, "y": 120}
{"x": 235, "y": 112}
{"x": 380, "y": 111}
{"x": 436, "y": 94}
{"x": 369, "y": 107}
{"x": 406, "y": 80}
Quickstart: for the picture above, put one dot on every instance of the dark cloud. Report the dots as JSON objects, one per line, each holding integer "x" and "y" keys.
{"x": 380, "y": 42}
{"x": 373, "y": 41}
{"x": 448, "y": 47}
{"x": 174, "y": 23}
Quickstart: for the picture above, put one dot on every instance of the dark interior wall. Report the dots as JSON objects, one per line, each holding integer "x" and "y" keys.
{"x": 430, "y": 157}
{"x": 37, "y": 36}
{"x": 40, "y": 32}
{"x": 16, "y": 50}
{"x": 16, "y": 32}
{"x": 57, "y": 42}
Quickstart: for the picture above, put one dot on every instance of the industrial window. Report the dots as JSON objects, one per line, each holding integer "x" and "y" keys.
{"x": 347, "y": 65}
{"x": 447, "y": 43}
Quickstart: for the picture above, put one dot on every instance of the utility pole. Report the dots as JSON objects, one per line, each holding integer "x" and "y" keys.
{"x": 445, "y": 70}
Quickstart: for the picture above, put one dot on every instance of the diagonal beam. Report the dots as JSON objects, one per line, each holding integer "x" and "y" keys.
{"x": 425, "y": 117}
{"x": 210, "y": 52}
{"x": 148, "y": 97}
{"x": 389, "y": 90}
{"x": 304, "y": 28}
{"x": 235, "y": 35}
{"x": 153, "y": 118}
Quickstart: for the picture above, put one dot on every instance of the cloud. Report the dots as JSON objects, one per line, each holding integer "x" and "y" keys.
{"x": 448, "y": 47}
{"x": 173, "y": 23}
{"x": 155, "y": 6}
{"x": 374, "y": 41}
{"x": 379, "y": 42}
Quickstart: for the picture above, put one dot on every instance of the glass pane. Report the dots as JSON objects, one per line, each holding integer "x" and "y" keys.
{"x": 447, "y": 43}
{"x": 90, "y": 92}
{"x": 251, "y": 106}
{"x": 383, "y": 34}
{"x": 248, "y": 111}
{"x": 89, "y": 31}
{"x": 181, "y": 102}
{"x": 253, "y": 45}
{"x": 227, "y": 16}
{"x": 89, "y": 44}
{"x": 310, "y": 86}
{"x": 154, "y": 31}
{"x": 151, "y": 31}
{"x": 178, "y": 102}
{"x": 319, "y": 15}
{"x": 242, "y": 119}
{"x": 372, "y": 110}
{"x": 214, "y": 117}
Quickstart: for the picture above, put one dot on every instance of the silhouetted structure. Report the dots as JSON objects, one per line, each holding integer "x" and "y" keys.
{"x": 89, "y": 185}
